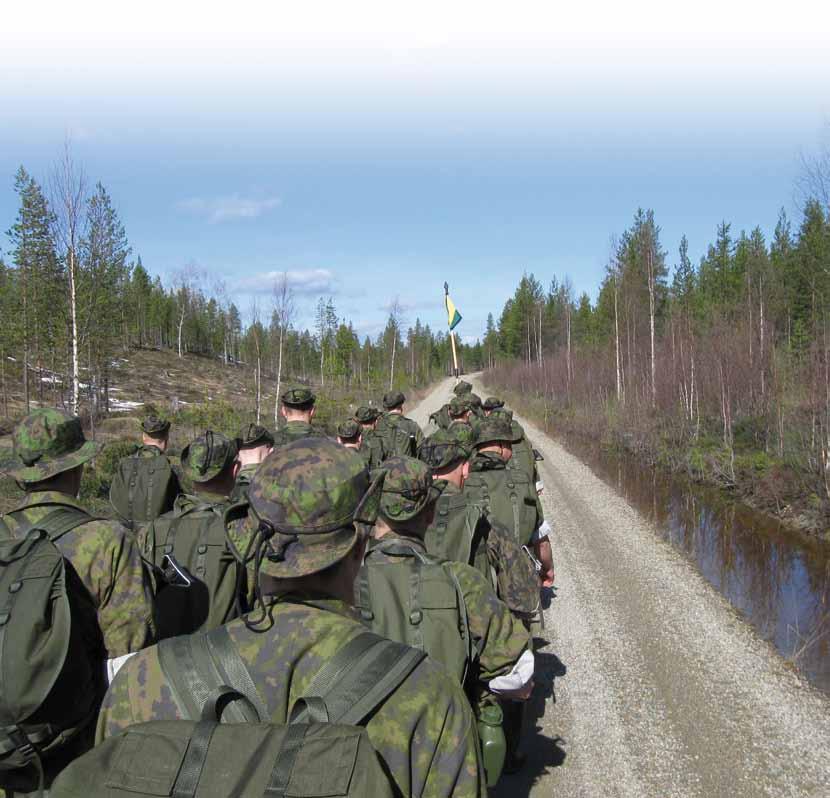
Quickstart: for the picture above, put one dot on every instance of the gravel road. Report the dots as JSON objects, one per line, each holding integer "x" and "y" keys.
{"x": 649, "y": 683}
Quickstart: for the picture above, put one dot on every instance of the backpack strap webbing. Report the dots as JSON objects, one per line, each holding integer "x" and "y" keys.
{"x": 360, "y": 677}
{"x": 5, "y": 532}
{"x": 195, "y": 665}
{"x": 57, "y": 523}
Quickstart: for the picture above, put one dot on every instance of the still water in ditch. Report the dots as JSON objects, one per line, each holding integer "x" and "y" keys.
{"x": 779, "y": 580}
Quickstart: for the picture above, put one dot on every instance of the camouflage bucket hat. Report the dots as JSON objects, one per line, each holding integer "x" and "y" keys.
{"x": 207, "y": 456}
{"x": 349, "y": 429}
{"x": 493, "y": 430}
{"x": 298, "y": 397}
{"x": 305, "y": 500}
{"x": 254, "y": 435}
{"x": 459, "y": 405}
{"x": 46, "y": 443}
{"x": 462, "y": 387}
{"x": 155, "y": 426}
{"x": 366, "y": 414}
{"x": 444, "y": 448}
{"x": 408, "y": 488}
{"x": 492, "y": 403}
{"x": 393, "y": 399}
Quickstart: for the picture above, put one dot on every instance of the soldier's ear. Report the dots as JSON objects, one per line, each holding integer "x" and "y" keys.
{"x": 311, "y": 413}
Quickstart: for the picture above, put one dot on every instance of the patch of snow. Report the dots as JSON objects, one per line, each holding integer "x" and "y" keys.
{"x": 124, "y": 404}
{"x": 13, "y": 359}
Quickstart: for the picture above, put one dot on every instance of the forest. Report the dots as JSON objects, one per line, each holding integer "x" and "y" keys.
{"x": 719, "y": 369}
{"x": 74, "y": 297}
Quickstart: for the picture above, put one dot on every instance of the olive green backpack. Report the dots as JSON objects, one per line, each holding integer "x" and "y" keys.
{"x": 509, "y": 498}
{"x": 200, "y": 584}
{"x": 417, "y": 600}
{"x": 395, "y": 438}
{"x": 51, "y": 651}
{"x": 143, "y": 488}
{"x": 323, "y": 750}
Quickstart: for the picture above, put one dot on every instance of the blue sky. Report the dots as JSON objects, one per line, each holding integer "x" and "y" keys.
{"x": 372, "y": 157}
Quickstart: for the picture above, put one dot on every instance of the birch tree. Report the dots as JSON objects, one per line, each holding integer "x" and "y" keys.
{"x": 284, "y": 311}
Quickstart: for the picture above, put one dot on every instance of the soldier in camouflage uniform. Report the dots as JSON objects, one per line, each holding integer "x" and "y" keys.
{"x": 397, "y": 551}
{"x": 524, "y": 458}
{"x": 197, "y": 522}
{"x": 371, "y": 446}
{"x": 297, "y": 408}
{"x": 49, "y": 455}
{"x": 254, "y": 444}
{"x": 464, "y": 531}
{"x": 310, "y": 504}
{"x": 393, "y": 418}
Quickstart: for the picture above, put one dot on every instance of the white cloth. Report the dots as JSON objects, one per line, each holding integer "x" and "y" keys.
{"x": 114, "y": 665}
{"x": 541, "y": 533}
{"x": 519, "y": 676}
{"x": 540, "y": 487}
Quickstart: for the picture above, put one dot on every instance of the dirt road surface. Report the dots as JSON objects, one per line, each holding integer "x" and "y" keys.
{"x": 648, "y": 682}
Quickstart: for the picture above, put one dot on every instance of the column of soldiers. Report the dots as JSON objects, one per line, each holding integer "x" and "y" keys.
{"x": 373, "y": 586}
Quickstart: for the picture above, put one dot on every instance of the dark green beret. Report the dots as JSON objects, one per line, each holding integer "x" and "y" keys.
{"x": 298, "y": 397}
{"x": 254, "y": 435}
{"x": 393, "y": 399}
{"x": 348, "y": 429}
{"x": 155, "y": 427}
{"x": 366, "y": 414}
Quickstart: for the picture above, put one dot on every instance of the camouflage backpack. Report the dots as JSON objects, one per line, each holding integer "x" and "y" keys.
{"x": 199, "y": 581}
{"x": 144, "y": 486}
{"x": 416, "y": 599}
{"x": 396, "y": 440}
{"x": 322, "y": 750}
{"x": 51, "y": 662}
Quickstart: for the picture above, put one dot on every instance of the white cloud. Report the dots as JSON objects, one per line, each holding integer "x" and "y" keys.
{"x": 226, "y": 209}
{"x": 302, "y": 281}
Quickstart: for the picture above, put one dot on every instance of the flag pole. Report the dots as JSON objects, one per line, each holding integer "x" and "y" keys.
{"x": 452, "y": 335}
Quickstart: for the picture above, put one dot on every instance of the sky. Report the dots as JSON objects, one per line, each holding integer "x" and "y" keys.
{"x": 376, "y": 150}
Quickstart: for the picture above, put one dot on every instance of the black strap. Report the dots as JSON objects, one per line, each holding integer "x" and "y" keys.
{"x": 187, "y": 782}
{"x": 363, "y": 674}
{"x": 284, "y": 766}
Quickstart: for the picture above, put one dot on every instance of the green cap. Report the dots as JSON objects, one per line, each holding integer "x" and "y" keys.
{"x": 493, "y": 403}
{"x": 254, "y": 435}
{"x": 408, "y": 488}
{"x": 493, "y": 430}
{"x": 46, "y": 443}
{"x": 349, "y": 429}
{"x": 366, "y": 414}
{"x": 155, "y": 426}
{"x": 298, "y": 396}
{"x": 207, "y": 456}
{"x": 393, "y": 399}
{"x": 462, "y": 387}
{"x": 445, "y": 447}
{"x": 305, "y": 499}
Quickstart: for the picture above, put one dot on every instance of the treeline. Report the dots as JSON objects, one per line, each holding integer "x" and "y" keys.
{"x": 73, "y": 298}
{"x": 724, "y": 357}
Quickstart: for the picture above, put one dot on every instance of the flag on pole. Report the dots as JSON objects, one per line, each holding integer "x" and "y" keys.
{"x": 453, "y": 316}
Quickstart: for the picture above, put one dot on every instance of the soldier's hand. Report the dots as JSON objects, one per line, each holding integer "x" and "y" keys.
{"x": 546, "y": 578}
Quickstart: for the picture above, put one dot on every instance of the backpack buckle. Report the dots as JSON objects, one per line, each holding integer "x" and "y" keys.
{"x": 22, "y": 743}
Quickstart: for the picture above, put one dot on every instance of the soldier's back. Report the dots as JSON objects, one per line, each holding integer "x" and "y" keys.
{"x": 422, "y": 732}
{"x": 294, "y": 431}
{"x": 107, "y": 559}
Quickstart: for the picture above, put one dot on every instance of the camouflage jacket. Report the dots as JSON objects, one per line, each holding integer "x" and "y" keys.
{"x": 243, "y": 480}
{"x": 424, "y": 732}
{"x": 106, "y": 558}
{"x": 499, "y": 637}
{"x": 462, "y": 530}
{"x": 293, "y": 431}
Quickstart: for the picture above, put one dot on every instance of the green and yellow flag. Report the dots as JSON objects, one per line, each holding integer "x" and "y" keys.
{"x": 453, "y": 316}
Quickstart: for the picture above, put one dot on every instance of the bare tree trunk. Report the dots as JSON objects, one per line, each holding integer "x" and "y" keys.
{"x": 620, "y": 397}
{"x": 279, "y": 380}
{"x": 73, "y": 314}
{"x": 651, "y": 303}
{"x": 392, "y": 366}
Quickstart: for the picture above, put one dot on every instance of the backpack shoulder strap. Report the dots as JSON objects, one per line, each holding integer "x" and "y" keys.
{"x": 57, "y": 523}
{"x": 359, "y": 678}
{"x": 5, "y": 532}
{"x": 196, "y": 666}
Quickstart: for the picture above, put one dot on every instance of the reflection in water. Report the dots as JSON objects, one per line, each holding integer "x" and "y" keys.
{"x": 779, "y": 580}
